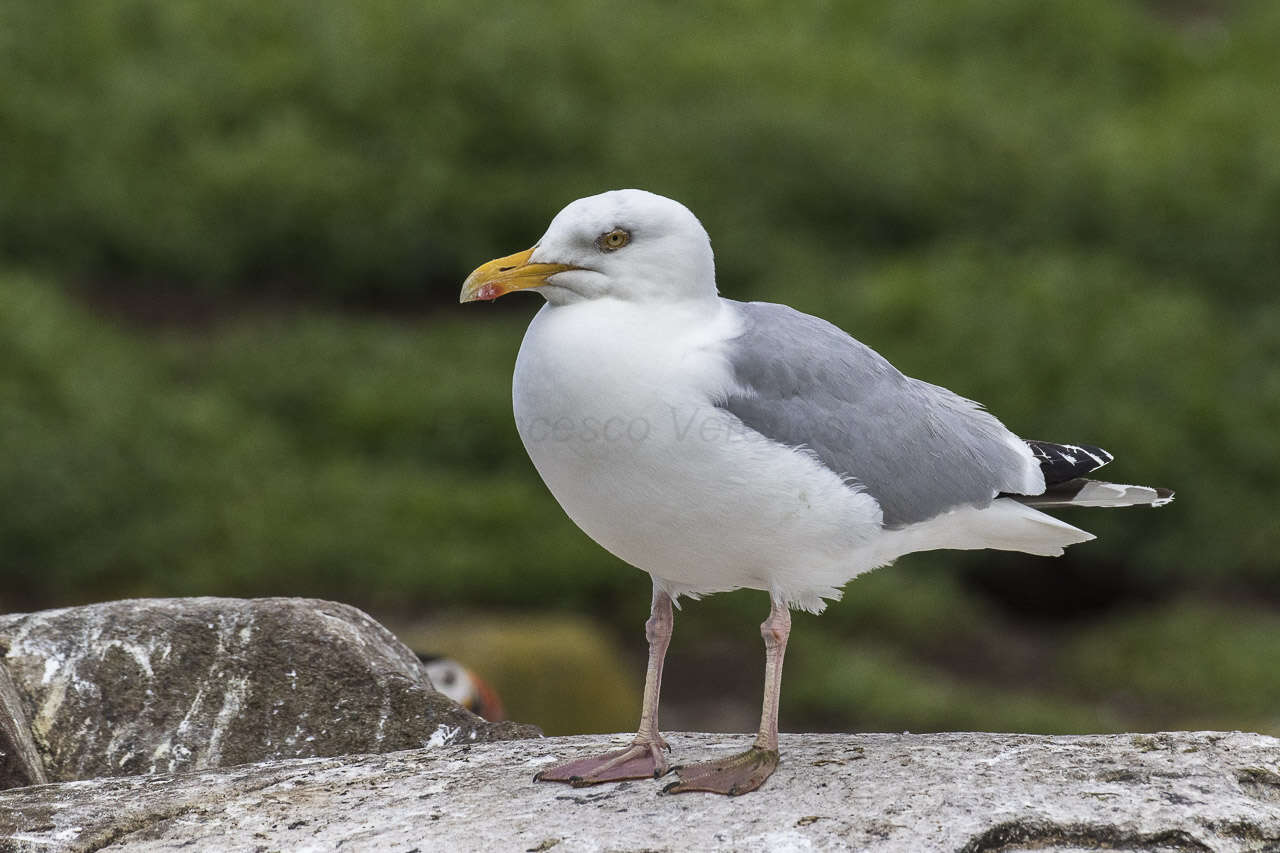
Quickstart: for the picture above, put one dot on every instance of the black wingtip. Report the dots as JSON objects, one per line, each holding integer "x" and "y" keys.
{"x": 1063, "y": 462}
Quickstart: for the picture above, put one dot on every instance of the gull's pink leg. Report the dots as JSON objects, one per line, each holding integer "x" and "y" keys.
{"x": 643, "y": 759}
{"x": 746, "y": 771}
{"x": 775, "y": 630}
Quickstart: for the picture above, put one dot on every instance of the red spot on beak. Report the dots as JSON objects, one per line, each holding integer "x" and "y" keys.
{"x": 489, "y": 292}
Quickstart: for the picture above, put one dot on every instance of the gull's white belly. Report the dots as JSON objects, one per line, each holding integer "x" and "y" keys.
{"x": 621, "y": 426}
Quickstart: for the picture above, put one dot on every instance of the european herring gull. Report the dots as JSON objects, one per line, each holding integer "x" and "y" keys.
{"x": 719, "y": 445}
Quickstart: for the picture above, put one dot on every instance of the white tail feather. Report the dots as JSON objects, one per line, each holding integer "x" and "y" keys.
{"x": 1117, "y": 494}
{"x": 1005, "y": 525}
{"x": 1083, "y": 492}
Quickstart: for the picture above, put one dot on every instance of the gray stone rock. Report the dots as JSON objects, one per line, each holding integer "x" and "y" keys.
{"x": 164, "y": 685}
{"x": 975, "y": 793}
{"x": 20, "y": 762}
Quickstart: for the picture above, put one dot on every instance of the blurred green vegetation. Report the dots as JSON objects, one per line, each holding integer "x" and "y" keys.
{"x": 392, "y": 142}
{"x": 1067, "y": 210}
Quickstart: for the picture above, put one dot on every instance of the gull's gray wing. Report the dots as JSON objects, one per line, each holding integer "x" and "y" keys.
{"x": 918, "y": 449}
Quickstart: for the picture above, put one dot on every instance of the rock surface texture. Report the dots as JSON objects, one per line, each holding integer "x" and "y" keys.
{"x": 20, "y": 762}
{"x": 168, "y": 685}
{"x": 1198, "y": 792}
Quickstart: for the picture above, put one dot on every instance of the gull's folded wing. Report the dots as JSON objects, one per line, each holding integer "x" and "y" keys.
{"x": 918, "y": 449}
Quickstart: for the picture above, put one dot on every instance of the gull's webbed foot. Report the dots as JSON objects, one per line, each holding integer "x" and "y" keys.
{"x": 641, "y": 760}
{"x": 737, "y": 774}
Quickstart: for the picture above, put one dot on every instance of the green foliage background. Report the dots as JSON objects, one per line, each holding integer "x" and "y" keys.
{"x": 1067, "y": 210}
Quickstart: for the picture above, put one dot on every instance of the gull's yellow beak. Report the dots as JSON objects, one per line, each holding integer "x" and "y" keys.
{"x": 514, "y": 272}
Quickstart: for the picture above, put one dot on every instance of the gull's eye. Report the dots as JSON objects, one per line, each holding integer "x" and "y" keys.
{"x": 612, "y": 241}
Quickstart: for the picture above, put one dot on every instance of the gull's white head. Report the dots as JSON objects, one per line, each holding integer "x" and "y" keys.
{"x": 624, "y": 244}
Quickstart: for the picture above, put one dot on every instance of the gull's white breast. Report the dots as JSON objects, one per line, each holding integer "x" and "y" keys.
{"x": 615, "y": 403}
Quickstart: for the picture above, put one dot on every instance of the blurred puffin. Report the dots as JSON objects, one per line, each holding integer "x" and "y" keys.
{"x": 463, "y": 686}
